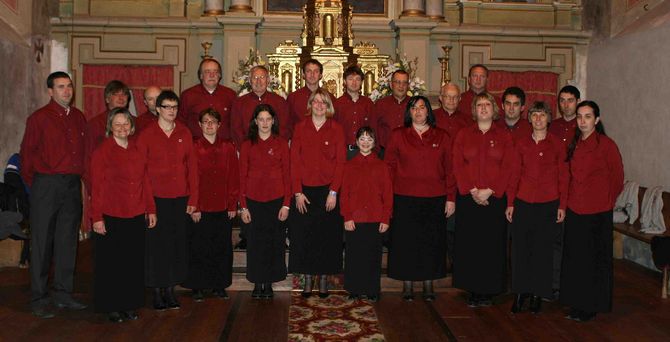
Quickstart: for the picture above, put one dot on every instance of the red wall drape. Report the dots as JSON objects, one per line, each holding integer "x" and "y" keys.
{"x": 538, "y": 85}
{"x": 136, "y": 77}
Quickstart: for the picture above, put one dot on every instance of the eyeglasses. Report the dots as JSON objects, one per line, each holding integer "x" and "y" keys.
{"x": 210, "y": 122}
{"x": 169, "y": 107}
{"x": 259, "y": 77}
{"x": 318, "y": 102}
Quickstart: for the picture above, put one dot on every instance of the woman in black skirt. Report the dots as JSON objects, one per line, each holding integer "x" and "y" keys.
{"x": 210, "y": 263}
{"x": 483, "y": 161}
{"x": 366, "y": 201}
{"x": 596, "y": 179}
{"x": 419, "y": 158}
{"x": 121, "y": 200}
{"x": 538, "y": 210}
{"x": 265, "y": 195}
{"x": 317, "y": 163}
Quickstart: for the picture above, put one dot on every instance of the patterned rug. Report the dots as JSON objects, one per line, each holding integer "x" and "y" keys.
{"x": 335, "y": 318}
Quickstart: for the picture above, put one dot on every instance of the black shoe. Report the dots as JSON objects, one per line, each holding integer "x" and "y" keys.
{"x": 485, "y": 301}
{"x": 407, "y": 291}
{"x": 115, "y": 317}
{"x": 159, "y": 302}
{"x": 428, "y": 294}
{"x": 574, "y": 314}
{"x": 198, "y": 296}
{"x": 242, "y": 244}
{"x": 267, "y": 291}
{"x": 171, "y": 298}
{"x": 517, "y": 304}
{"x": 43, "y": 312}
{"x": 307, "y": 291}
{"x": 70, "y": 304}
{"x": 305, "y": 294}
{"x": 257, "y": 292}
{"x": 372, "y": 298}
{"x": 221, "y": 293}
{"x": 324, "y": 294}
{"x": 535, "y": 304}
{"x": 130, "y": 315}
{"x": 353, "y": 296}
{"x": 473, "y": 300}
{"x": 586, "y": 316}
{"x": 323, "y": 286}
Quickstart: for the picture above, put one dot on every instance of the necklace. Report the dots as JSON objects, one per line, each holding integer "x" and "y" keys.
{"x": 318, "y": 125}
{"x": 421, "y": 129}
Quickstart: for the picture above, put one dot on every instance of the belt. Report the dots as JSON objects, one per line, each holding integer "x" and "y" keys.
{"x": 352, "y": 147}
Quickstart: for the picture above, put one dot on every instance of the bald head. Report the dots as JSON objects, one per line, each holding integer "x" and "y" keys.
{"x": 450, "y": 96}
{"x": 150, "y": 96}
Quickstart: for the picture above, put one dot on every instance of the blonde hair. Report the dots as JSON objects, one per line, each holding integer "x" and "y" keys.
{"x": 488, "y": 97}
{"x": 325, "y": 97}
{"x": 110, "y": 118}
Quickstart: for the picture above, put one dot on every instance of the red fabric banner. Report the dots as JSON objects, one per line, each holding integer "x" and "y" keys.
{"x": 538, "y": 86}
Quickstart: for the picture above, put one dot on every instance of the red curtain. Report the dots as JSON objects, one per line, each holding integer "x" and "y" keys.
{"x": 538, "y": 85}
{"x": 136, "y": 77}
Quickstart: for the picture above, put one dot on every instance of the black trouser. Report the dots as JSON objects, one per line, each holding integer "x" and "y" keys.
{"x": 558, "y": 256}
{"x": 55, "y": 217}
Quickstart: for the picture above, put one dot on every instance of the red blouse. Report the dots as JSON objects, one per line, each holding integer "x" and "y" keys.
{"x": 144, "y": 120}
{"x": 119, "y": 180}
{"x": 367, "y": 192}
{"x": 265, "y": 171}
{"x": 564, "y": 130}
{"x": 421, "y": 166}
{"x": 596, "y": 171}
{"x": 390, "y": 115}
{"x": 354, "y": 115}
{"x": 172, "y": 164}
{"x": 450, "y": 123}
{"x": 218, "y": 175}
{"x": 196, "y": 99}
{"x": 484, "y": 160}
{"x": 53, "y": 142}
{"x": 541, "y": 174}
{"x": 521, "y": 129}
{"x": 243, "y": 112}
{"x": 317, "y": 157}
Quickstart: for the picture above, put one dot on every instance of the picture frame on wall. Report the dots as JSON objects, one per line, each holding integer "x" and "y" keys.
{"x": 362, "y": 7}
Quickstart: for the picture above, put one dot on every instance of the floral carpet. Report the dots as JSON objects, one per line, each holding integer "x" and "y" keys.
{"x": 335, "y": 318}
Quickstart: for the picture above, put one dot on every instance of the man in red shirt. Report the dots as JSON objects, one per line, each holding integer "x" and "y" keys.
{"x": 243, "y": 107}
{"x": 151, "y": 115}
{"x": 352, "y": 110}
{"x": 390, "y": 110}
{"x": 312, "y": 70}
{"x": 52, "y": 153}
{"x": 208, "y": 94}
{"x": 448, "y": 117}
{"x": 477, "y": 80}
{"x": 565, "y": 126}
{"x": 514, "y": 103}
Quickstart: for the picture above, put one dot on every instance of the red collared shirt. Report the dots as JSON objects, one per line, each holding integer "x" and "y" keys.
{"x": 564, "y": 130}
{"x": 120, "y": 183}
{"x": 390, "y": 115}
{"x": 243, "y": 112}
{"x": 451, "y": 123}
{"x": 421, "y": 166}
{"x": 297, "y": 104}
{"x": 367, "y": 192}
{"x": 521, "y": 129}
{"x": 144, "y": 120}
{"x": 53, "y": 142}
{"x": 541, "y": 171}
{"x": 173, "y": 166}
{"x": 196, "y": 99}
{"x": 484, "y": 160}
{"x": 596, "y": 171}
{"x": 317, "y": 157}
{"x": 265, "y": 171}
{"x": 465, "y": 106}
{"x": 218, "y": 175}
{"x": 354, "y": 115}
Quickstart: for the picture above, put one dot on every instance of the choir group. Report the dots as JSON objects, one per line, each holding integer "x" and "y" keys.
{"x": 343, "y": 176}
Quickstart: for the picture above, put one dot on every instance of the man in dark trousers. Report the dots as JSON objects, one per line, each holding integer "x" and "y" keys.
{"x": 52, "y": 156}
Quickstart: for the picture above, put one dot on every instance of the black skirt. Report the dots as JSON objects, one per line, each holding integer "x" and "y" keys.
{"x": 119, "y": 265}
{"x": 363, "y": 259}
{"x": 587, "y": 275}
{"x": 316, "y": 236}
{"x": 418, "y": 239}
{"x": 266, "y": 242}
{"x": 480, "y": 245}
{"x": 166, "y": 253}
{"x": 210, "y": 263}
{"x": 533, "y": 232}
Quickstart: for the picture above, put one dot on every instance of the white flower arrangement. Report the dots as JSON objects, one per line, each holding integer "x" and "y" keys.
{"x": 383, "y": 86}
{"x": 241, "y": 77}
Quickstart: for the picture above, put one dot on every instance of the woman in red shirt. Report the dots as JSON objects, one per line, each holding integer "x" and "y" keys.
{"x": 210, "y": 245}
{"x": 596, "y": 172}
{"x": 173, "y": 171}
{"x": 419, "y": 158}
{"x": 121, "y": 201}
{"x": 367, "y": 200}
{"x": 540, "y": 192}
{"x": 483, "y": 159}
{"x": 317, "y": 162}
{"x": 265, "y": 196}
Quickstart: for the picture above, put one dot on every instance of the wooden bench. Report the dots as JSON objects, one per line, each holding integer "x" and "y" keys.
{"x": 633, "y": 231}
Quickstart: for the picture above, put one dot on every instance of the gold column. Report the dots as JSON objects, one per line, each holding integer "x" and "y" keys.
{"x": 240, "y": 6}
{"x": 435, "y": 9}
{"x": 213, "y": 7}
{"x": 413, "y": 8}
